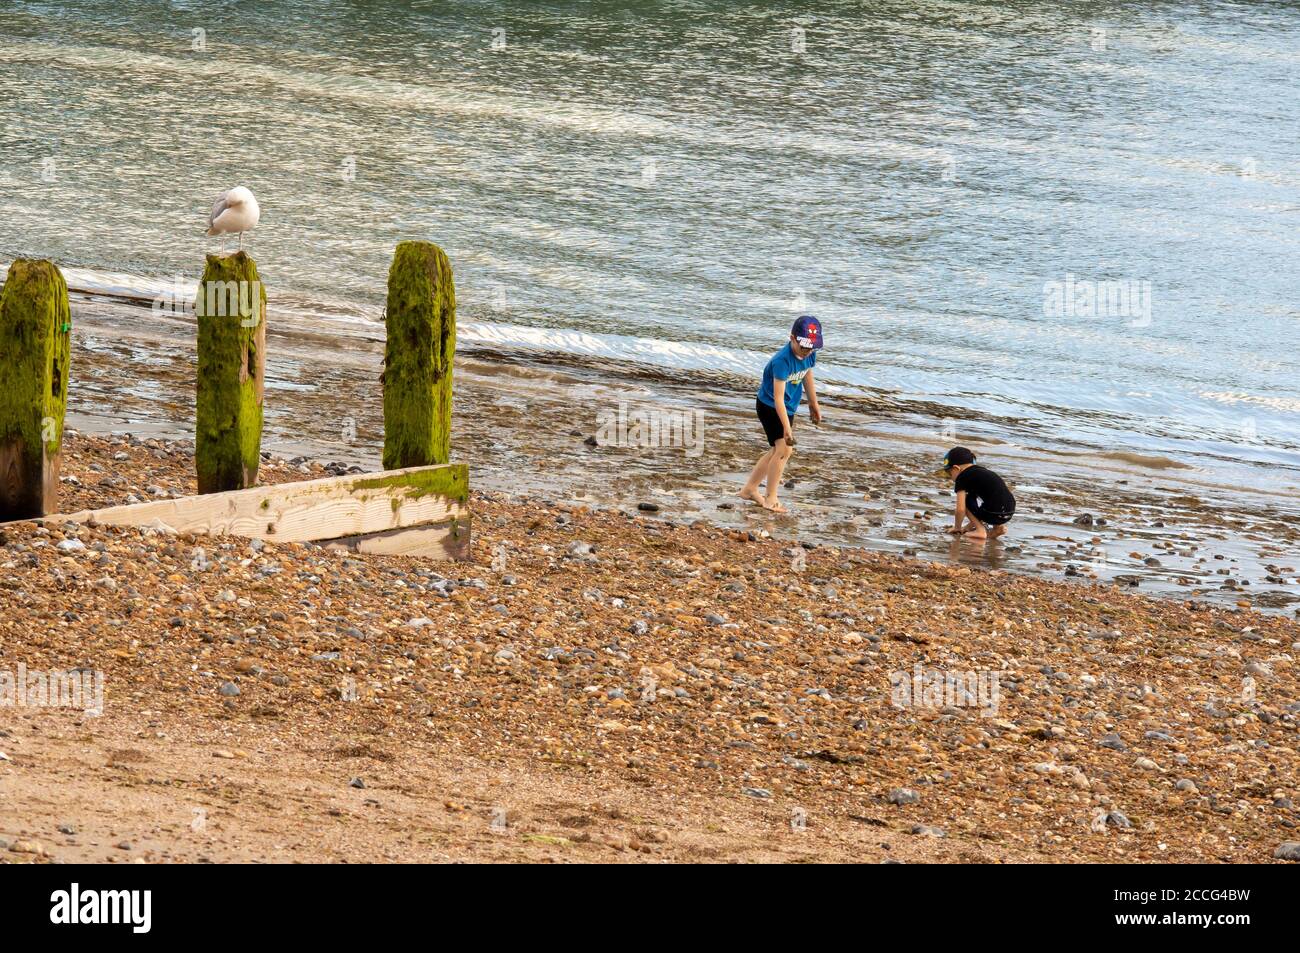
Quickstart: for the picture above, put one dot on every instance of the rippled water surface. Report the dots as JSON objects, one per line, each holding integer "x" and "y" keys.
{"x": 671, "y": 183}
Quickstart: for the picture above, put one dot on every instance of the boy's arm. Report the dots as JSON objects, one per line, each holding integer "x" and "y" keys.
{"x": 778, "y": 395}
{"x": 959, "y": 518}
{"x": 814, "y": 409}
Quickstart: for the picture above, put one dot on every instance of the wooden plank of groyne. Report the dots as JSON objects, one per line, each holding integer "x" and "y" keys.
{"x": 448, "y": 540}
{"x": 310, "y": 511}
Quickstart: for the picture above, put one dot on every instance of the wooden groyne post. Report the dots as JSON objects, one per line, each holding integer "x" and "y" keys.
{"x": 231, "y": 312}
{"x": 35, "y": 331}
{"x": 421, "y": 324}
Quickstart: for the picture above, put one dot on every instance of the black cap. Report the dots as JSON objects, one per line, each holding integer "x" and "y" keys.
{"x": 956, "y": 457}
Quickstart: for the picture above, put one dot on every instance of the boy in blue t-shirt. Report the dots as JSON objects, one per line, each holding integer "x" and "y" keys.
{"x": 784, "y": 379}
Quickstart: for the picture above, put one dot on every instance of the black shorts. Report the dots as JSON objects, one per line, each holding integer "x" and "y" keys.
{"x": 991, "y": 517}
{"x": 771, "y": 422}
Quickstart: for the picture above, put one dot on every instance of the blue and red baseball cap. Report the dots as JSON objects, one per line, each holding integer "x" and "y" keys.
{"x": 808, "y": 332}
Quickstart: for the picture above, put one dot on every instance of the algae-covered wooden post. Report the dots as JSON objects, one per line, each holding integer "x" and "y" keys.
{"x": 231, "y": 312}
{"x": 35, "y": 327}
{"x": 421, "y": 323}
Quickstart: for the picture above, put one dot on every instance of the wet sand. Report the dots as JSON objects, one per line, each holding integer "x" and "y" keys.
{"x": 525, "y": 424}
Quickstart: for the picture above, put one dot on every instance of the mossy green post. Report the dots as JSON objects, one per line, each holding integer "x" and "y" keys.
{"x": 231, "y": 313}
{"x": 35, "y": 335}
{"x": 421, "y": 322}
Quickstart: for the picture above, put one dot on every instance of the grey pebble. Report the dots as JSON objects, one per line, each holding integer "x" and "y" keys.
{"x": 1114, "y": 742}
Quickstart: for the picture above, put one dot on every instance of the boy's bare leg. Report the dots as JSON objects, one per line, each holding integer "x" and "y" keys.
{"x": 997, "y": 531}
{"x": 750, "y": 492}
{"x": 975, "y": 530}
{"x": 781, "y": 453}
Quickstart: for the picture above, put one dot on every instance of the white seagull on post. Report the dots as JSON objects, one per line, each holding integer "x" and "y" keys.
{"x": 234, "y": 211}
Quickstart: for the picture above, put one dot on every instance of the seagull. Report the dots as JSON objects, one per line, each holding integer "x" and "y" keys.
{"x": 234, "y": 211}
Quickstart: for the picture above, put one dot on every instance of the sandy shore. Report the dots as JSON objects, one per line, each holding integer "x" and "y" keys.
{"x": 604, "y": 685}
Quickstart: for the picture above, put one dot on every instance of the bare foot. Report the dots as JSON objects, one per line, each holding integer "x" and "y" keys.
{"x": 753, "y": 496}
{"x": 773, "y": 505}
{"x": 998, "y": 531}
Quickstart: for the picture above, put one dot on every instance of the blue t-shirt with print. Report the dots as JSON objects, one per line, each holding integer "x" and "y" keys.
{"x": 791, "y": 370}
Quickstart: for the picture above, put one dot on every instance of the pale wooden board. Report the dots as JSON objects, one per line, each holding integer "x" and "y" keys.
{"x": 445, "y": 540}
{"x": 294, "y": 512}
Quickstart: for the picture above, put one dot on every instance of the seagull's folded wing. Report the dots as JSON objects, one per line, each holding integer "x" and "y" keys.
{"x": 217, "y": 209}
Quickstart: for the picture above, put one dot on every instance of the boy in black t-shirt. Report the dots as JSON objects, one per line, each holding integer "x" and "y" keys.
{"x": 984, "y": 504}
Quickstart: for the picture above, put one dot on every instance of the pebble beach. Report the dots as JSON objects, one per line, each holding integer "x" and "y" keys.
{"x": 616, "y": 684}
